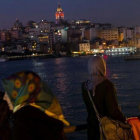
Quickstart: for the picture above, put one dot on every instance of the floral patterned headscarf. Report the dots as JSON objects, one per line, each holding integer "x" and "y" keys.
{"x": 27, "y": 88}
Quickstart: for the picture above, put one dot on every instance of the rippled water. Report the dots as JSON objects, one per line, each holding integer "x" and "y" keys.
{"x": 65, "y": 76}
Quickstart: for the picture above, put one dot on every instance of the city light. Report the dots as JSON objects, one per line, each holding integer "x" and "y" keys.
{"x": 3, "y": 49}
{"x": 80, "y": 34}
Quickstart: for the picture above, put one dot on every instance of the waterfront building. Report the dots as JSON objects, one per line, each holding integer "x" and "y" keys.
{"x": 30, "y": 24}
{"x": 1, "y": 47}
{"x": 128, "y": 33}
{"x": 17, "y": 48}
{"x": 16, "y": 30}
{"x": 59, "y": 15}
{"x": 25, "y": 35}
{"x": 84, "y": 46}
{"x": 57, "y": 27}
{"x": 51, "y": 41}
{"x": 72, "y": 22}
{"x": 82, "y": 32}
{"x": 40, "y": 32}
{"x": 70, "y": 34}
{"x": 126, "y": 36}
{"x": 137, "y": 36}
{"x": 5, "y": 35}
{"x": 98, "y": 43}
{"x": 33, "y": 33}
{"x": 109, "y": 33}
{"x": 44, "y": 26}
{"x": 17, "y": 25}
{"x": 104, "y": 25}
{"x": 83, "y": 23}
{"x": 111, "y": 44}
{"x": 42, "y": 38}
{"x": 75, "y": 37}
{"x": 7, "y": 48}
{"x": 57, "y": 36}
{"x": 16, "y": 34}
{"x": 94, "y": 30}
{"x": 43, "y": 48}
{"x": 91, "y": 33}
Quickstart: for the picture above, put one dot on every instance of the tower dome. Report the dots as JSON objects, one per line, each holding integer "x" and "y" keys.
{"x": 59, "y": 9}
{"x": 59, "y": 15}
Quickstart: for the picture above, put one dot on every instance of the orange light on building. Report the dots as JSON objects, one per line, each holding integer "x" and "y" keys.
{"x": 3, "y": 49}
{"x": 59, "y": 15}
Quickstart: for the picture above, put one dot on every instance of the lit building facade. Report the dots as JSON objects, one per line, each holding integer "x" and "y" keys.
{"x": 83, "y": 23}
{"x": 5, "y": 36}
{"x": 91, "y": 33}
{"x": 126, "y": 36}
{"x": 16, "y": 34}
{"x": 17, "y": 25}
{"x": 128, "y": 33}
{"x": 109, "y": 33}
{"x": 70, "y": 35}
{"x": 44, "y": 26}
{"x": 137, "y": 36}
{"x": 84, "y": 46}
{"x": 59, "y": 15}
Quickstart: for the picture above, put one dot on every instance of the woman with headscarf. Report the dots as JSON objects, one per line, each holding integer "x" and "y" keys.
{"x": 37, "y": 113}
{"x": 103, "y": 94}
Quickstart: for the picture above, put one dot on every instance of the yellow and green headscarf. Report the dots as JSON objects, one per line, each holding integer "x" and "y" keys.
{"x": 27, "y": 88}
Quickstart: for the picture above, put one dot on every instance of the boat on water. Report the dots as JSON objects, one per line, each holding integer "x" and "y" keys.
{"x": 2, "y": 59}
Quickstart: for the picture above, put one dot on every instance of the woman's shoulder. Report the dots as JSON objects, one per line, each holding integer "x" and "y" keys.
{"x": 83, "y": 87}
{"x": 27, "y": 111}
{"x": 32, "y": 113}
{"x": 103, "y": 85}
{"x": 83, "y": 84}
{"x": 107, "y": 82}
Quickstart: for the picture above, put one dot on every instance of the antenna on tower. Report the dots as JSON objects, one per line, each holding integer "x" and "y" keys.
{"x": 58, "y": 4}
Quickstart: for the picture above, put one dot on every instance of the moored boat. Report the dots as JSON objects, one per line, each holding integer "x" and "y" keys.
{"x": 2, "y": 59}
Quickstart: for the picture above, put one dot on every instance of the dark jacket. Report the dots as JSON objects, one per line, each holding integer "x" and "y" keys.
{"x": 5, "y": 113}
{"x": 106, "y": 104}
{"x": 30, "y": 123}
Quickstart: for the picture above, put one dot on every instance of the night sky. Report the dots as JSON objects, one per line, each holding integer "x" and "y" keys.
{"x": 116, "y": 12}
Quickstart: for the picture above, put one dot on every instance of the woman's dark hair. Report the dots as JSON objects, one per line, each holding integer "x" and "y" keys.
{"x": 5, "y": 114}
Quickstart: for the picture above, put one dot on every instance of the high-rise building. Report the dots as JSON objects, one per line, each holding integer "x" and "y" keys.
{"x": 17, "y": 25}
{"x": 5, "y": 36}
{"x": 59, "y": 15}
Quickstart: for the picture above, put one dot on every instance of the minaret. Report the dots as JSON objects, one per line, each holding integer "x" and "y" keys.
{"x": 59, "y": 14}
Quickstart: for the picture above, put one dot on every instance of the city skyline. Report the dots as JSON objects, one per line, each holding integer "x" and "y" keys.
{"x": 117, "y": 13}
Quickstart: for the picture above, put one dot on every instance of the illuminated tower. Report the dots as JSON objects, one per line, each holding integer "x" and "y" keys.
{"x": 59, "y": 14}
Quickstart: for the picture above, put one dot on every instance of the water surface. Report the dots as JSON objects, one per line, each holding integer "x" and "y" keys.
{"x": 65, "y": 76}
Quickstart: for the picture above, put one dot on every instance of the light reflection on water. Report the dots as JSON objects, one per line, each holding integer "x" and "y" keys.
{"x": 65, "y": 76}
